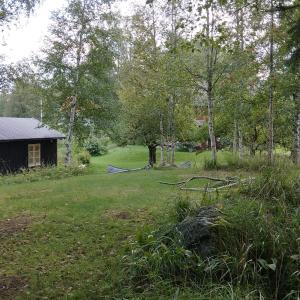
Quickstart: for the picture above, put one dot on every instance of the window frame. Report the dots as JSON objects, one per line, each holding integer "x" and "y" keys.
{"x": 34, "y": 155}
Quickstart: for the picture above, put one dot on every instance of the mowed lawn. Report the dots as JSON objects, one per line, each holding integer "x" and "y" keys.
{"x": 64, "y": 239}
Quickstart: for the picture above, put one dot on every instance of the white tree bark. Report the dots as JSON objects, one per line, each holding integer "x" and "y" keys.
{"x": 297, "y": 140}
{"x": 69, "y": 139}
{"x": 297, "y": 128}
{"x": 209, "y": 69}
{"x": 241, "y": 150}
{"x": 162, "y": 142}
{"x": 74, "y": 100}
{"x": 235, "y": 137}
{"x": 271, "y": 91}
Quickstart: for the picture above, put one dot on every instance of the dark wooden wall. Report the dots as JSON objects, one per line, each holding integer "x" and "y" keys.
{"x": 14, "y": 154}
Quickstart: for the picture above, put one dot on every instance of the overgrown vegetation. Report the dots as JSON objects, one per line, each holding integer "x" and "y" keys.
{"x": 96, "y": 146}
{"x": 43, "y": 173}
{"x": 84, "y": 157}
{"x": 256, "y": 242}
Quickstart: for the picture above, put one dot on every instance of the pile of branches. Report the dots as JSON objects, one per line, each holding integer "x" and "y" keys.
{"x": 219, "y": 183}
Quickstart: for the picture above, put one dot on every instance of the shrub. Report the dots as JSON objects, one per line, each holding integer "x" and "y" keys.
{"x": 84, "y": 157}
{"x": 96, "y": 147}
{"x": 92, "y": 146}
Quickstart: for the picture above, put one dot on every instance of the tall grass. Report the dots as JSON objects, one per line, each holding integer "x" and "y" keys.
{"x": 231, "y": 161}
{"x": 256, "y": 243}
{"x": 43, "y": 173}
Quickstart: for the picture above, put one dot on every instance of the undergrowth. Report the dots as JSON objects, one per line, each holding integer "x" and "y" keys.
{"x": 43, "y": 173}
{"x": 247, "y": 163}
{"x": 256, "y": 243}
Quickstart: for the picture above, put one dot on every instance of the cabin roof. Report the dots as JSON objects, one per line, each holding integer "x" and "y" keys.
{"x": 26, "y": 129}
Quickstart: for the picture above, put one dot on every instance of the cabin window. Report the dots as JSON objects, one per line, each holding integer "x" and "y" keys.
{"x": 34, "y": 155}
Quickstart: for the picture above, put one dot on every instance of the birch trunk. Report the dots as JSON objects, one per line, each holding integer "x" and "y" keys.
{"x": 209, "y": 69}
{"x": 69, "y": 139}
{"x": 211, "y": 130}
{"x": 235, "y": 137}
{"x": 162, "y": 142}
{"x": 74, "y": 98}
{"x": 241, "y": 150}
{"x": 271, "y": 91}
{"x": 297, "y": 129}
{"x": 297, "y": 140}
{"x": 240, "y": 35}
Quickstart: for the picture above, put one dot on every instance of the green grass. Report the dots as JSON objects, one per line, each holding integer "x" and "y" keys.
{"x": 80, "y": 227}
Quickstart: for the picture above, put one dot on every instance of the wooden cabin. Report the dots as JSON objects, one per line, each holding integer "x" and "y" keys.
{"x": 26, "y": 143}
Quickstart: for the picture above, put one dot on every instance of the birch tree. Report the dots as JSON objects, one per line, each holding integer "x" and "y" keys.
{"x": 78, "y": 62}
{"x": 207, "y": 67}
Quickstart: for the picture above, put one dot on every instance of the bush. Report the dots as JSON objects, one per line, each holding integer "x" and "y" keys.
{"x": 96, "y": 147}
{"x": 84, "y": 157}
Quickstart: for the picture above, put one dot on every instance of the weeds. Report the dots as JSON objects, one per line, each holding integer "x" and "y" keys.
{"x": 256, "y": 243}
{"x": 43, "y": 173}
{"x": 275, "y": 184}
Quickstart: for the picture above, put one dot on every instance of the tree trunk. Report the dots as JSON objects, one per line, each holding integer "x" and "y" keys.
{"x": 271, "y": 91}
{"x": 69, "y": 139}
{"x": 152, "y": 154}
{"x": 162, "y": 142}
{"x": 68, "y": 158}
{"x": 210, "y": 61}
{"x": 252, "y": 150}
{"x": 297, "y": 141}
{"x": 241, "y": 151}
{"x": 211, "y": 130}
{"x": 240, "y": 37}
{"x": 296, "y": 149}
{"x": 235, "y": 137}
{"x": 171, "y": 132}
{"x": 173, "y": 154}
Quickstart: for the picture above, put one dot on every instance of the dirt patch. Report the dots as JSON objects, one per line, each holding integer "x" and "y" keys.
{"x": 10, "y": 286}
{"x": 14, "y": 225}
{"x": 120, "y": 215}
{"x": 136, "y": 216}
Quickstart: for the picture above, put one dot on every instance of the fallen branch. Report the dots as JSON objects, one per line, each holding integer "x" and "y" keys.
{"x": 209, "y": 190}
{"x": 197, "y": 177}
{"x": 220, "y": 185}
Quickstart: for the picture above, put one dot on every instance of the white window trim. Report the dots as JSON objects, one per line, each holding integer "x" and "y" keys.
{"x": 34, "y": 155}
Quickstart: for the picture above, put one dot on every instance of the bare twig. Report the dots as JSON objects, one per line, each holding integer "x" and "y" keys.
{"x": 197, "y": 177}
{"x": 221, "y": 184}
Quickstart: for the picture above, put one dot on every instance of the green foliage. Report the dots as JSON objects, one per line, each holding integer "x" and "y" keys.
{"x": 186, "y": 146}
{"x": 210, "y": 164}
{"x": 11, "y": 9}
{"x": 276, "y": 184}
{"x": 182, "y": 208}
{"x": 84, "y": 157}
{"x": 79, "y": 61}
{"x": 256, "y": 245}
{"x": 96, "y": 146}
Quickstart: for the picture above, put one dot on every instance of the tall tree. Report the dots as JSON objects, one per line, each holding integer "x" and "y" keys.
{"x": 79, "y": 65}
{"x": 11, "y": 9}
{"x": 208, "y": 65}
{"x": 271, "y": 92}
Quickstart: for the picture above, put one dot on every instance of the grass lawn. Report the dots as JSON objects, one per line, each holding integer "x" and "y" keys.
{"x": 64, "y": 239}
